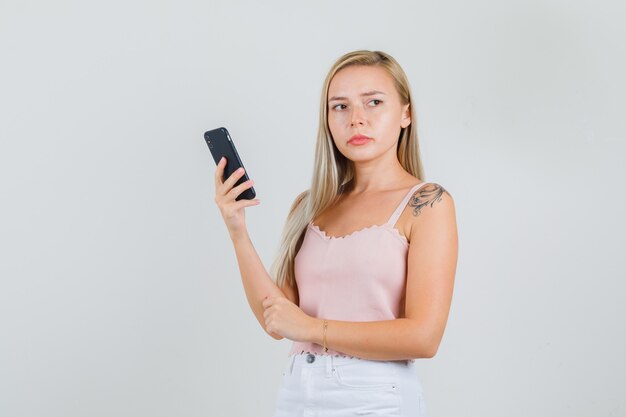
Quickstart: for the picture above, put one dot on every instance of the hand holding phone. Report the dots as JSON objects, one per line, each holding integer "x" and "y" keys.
{"x": 221, "y": 145}
{"x": 230, "y": 187}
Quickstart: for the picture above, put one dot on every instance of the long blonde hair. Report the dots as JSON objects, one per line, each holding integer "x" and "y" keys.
{"x": 333, "y": 172}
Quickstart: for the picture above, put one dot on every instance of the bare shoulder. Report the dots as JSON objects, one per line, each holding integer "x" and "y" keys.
{"x": 431, "y": 207}
{"x": 430, "y": 197}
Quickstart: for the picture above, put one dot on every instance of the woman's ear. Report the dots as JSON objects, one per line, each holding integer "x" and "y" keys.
{"x": 406, "y": 116}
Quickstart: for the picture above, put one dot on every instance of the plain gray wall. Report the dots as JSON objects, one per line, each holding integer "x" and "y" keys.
{"x": 120, "y": 293}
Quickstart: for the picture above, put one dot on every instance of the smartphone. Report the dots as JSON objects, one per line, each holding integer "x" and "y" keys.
{"x": 221, "y": 144}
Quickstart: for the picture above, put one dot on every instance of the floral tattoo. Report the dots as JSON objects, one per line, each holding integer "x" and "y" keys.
{"x": 430, "y": 193}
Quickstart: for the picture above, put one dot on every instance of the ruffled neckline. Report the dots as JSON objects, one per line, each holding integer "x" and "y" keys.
{"x": 385, "y": 226}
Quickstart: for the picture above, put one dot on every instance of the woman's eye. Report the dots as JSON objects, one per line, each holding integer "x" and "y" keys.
{"x": 335, "y": 106}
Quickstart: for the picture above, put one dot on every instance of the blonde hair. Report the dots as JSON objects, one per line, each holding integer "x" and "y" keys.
{"x": 333, "y": 172}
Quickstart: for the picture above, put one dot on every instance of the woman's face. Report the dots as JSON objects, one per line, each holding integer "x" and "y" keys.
{"x": 362, "y": 100}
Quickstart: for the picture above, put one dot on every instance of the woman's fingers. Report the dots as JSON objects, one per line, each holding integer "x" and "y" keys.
{"x": 226, "y": 189}
{"x": 245, "y": 203}
{"x": 230, "y": 181}
{"x": 219, "y": 173}
{"x": 222, "y": 188}
{"x": 233, "y": 193}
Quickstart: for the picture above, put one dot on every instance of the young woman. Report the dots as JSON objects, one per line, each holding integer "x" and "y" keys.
{"x": 364, "y": 277}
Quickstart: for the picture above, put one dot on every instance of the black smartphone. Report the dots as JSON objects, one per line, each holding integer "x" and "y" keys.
{"x": 221, "y": 144}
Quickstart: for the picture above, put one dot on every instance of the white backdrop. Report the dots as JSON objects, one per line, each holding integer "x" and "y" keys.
{"x": 119, "y": 289}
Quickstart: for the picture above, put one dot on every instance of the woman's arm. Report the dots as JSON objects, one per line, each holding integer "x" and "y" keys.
{"x": 431, "y": 267}
{"x": 397, "y": 339}
{"x": 257, "y": 283}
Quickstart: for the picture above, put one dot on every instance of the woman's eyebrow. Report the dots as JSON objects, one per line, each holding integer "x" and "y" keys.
{"x": 369, "y": 93}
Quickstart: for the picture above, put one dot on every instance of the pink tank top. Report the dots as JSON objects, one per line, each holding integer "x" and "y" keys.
{"x": 357, "y": 277}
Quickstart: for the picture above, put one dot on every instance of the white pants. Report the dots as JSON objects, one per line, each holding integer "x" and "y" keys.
{"x": 316, "y": 385}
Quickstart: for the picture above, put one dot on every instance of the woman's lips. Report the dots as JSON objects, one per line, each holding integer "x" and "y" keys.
{"x": 359, "y": 140}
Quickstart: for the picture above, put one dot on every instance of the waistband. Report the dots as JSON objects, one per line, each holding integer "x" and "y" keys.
{"x": 319, "y": 360}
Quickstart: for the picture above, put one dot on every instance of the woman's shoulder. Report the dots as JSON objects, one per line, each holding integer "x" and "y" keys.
{"x": 430, "y": 202}
{"x": 432, "y": 191}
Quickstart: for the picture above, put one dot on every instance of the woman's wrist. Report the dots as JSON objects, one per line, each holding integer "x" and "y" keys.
{"x": 316, "y": 331}
{"x": 239, "y": 236}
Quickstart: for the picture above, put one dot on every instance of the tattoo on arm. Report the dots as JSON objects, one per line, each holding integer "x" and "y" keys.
{"x": 429, "y": 193}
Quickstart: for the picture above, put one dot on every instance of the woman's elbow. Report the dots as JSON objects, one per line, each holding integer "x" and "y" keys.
{"x": 432, "y": 348}
{"x": 430, "y": 353}
{"x": 427, "y": 348}
{"x": 274, "y": 336}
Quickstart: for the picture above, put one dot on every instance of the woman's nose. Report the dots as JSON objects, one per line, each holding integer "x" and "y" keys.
{"x": 357, "y": 118}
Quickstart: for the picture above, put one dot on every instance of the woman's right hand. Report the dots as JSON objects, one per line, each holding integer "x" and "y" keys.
{"x": 231, "y": 209}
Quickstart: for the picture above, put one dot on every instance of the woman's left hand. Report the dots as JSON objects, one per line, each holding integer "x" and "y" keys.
{"x": 286, "y": 319}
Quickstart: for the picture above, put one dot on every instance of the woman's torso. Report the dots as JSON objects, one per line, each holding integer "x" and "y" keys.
{"x": 349, "y": 268}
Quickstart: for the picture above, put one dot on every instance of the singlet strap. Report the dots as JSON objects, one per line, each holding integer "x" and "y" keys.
{"x": 398, "y": 211}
